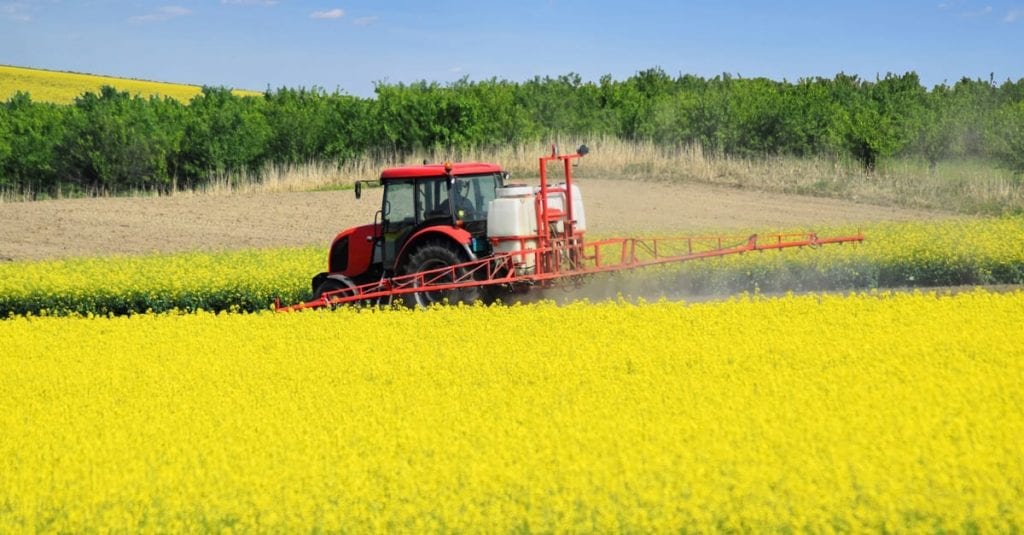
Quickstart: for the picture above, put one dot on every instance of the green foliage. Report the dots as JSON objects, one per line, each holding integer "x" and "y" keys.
{"x": 940, "y": 128}
{"x": 504, "y": 118}
{"x": 5, "y": 146}
{"x": 1007, "y": 137}
{"x": 349, "y": 130}
{"x": 308, "y": 125}
{"x": 33, "y": 133}
{"x": 806, "y": 113}
{"x": 557, "y": 105}
{"x": 223, "y": 134}
{"x": 112, "y": 141}
{"x": 116, "y": 142}
{"x": 874, "y": 120}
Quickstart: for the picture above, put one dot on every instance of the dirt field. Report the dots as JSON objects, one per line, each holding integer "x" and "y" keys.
{"x": 90, "y": 227}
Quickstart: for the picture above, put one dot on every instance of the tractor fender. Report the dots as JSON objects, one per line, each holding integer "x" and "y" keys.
{"x": 351, "y": 252}
{"x": 454, "y": 234}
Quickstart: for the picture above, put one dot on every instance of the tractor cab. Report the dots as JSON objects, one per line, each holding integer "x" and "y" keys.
{"x": 450, "y": 197}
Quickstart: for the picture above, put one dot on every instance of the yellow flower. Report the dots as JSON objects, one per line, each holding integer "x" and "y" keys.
{"x": 898, "y": 412}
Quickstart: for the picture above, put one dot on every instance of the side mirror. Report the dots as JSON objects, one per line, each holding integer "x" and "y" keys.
{"x": 359, "y": 190}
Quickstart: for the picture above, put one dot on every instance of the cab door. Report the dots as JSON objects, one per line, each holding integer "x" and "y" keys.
{"x": 398, "y": 217}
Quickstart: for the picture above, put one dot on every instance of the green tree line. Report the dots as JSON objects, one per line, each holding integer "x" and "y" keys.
{"x": 112, "y": 141}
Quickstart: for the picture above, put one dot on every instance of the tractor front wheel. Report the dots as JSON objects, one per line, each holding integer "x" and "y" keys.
{"x": 335, "y": 284}
{"x": 435, "y": 255}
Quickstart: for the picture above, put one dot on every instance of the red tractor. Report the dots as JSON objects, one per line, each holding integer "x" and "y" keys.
{"x": 432, "y": 216}
{"x": 460, "y": 233}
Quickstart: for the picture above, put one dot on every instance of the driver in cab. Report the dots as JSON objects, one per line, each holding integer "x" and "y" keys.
{"x": 463, "y": 205}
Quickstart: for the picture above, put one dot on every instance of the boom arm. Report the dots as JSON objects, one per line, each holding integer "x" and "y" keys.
{"x": 563, "y": 261}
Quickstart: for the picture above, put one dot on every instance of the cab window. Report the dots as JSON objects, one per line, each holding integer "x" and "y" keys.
{"x": 433, "y": 200}
{"x": 474, "y": 194}
{"x": 399, "y": 215}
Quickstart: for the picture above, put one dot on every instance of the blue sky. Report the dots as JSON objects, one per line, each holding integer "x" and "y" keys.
{"x": 349, "y": 45}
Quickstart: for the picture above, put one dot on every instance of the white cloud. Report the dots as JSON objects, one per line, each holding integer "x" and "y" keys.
{"x": 329, "y": 14}
{"x": 987, "y": 10}
{"x": 364, "y": 21}
{"x": 15, "y": 11}
{"x": 1014, "y": 15}
{"x": 162, "y": 14}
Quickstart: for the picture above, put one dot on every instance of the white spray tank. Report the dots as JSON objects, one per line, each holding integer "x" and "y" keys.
{"x": 512, "y": 224}
{"x": 556, "y": 201}
{"x": 512, "y": 219}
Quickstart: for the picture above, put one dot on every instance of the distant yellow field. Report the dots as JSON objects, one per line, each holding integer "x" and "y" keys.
{"x": 63, "y": 87}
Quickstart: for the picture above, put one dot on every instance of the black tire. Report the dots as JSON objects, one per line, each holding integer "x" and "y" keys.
{"x": 333, "y": 283}
{"x": 434, "y": 255}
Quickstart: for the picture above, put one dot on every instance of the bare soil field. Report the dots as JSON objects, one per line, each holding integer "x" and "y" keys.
{"x": 185, "y": 222}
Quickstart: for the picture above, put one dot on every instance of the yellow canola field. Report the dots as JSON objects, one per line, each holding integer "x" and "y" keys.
{"x": 953, "y": 252}
{"x": 63, "y": 87}
{"x": 896, "y": 412}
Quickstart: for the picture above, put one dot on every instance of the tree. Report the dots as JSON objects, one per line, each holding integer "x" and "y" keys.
{"x": 33, "y": 134}
{"x": 297, "y": 119}
{"x": 425, "y": 115}
{"x": 807, "y": 114}
{"x": 116, "y": 142}
{"x": 349, "y": 128}
{"x": 757, "y": 126}
{"x": 710, "y": 114}
{"x": 976, "y": 103}
{"x": 5, "y": 149}
{"x": 504, "y": 120}
{"x": 1007, "y": 137}
{"x": 875, "y": 120}
{"x": 224, "y": 134}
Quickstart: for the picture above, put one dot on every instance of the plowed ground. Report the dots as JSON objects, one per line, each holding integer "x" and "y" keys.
{"x": 91, "y": 227}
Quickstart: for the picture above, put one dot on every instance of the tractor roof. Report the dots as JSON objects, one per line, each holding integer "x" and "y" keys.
{"x": 437, "y": 170}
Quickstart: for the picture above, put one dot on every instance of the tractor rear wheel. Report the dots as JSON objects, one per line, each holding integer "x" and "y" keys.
{"x": 435, "y": 255}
